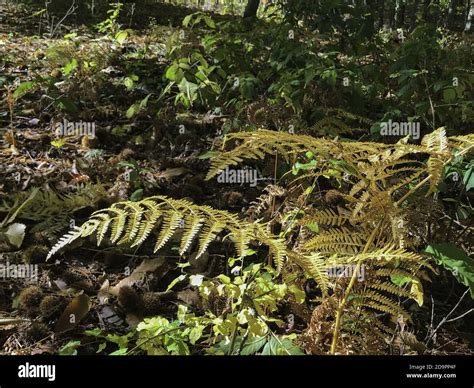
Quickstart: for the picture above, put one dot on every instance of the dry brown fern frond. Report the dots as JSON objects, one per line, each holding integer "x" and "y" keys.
{"x": 265, "y": 201}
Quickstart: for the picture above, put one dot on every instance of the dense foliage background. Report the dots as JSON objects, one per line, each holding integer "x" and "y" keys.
{"x": 286, "y": 177}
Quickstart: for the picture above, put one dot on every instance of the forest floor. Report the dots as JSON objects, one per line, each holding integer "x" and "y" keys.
{"x": 97, "y": 171}
{"x": 128, "y": 158}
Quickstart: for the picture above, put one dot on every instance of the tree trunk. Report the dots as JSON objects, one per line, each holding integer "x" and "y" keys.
{"x": 470, "y": 18}
{"x": 453, "y": 4}
{"x": 391, "y": 17}
{"x": 251, "y": 8}
{"x": 426, "y": 10}
{"x": 400, "y": 13}
{"x": 381, "y": 9}
{"x": 414, "y": 12}
{"x": 369, "y": 22}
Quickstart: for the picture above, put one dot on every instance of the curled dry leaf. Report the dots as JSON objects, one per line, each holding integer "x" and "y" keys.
{"x": 75, "y": 311}
{"x": 148, "y": 265}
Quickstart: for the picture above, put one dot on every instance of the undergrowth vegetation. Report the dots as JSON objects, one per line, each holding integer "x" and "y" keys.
{"x": 295, "y": 184}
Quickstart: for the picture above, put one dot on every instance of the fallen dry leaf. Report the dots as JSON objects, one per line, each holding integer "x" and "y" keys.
{"x": 76, "y": 310}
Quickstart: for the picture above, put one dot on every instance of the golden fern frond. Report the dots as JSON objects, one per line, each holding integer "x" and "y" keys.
{"x": 405, "y": 182}
{"x": 133, "y": 226}
{"x": 390, "y": 288}
{"x": 66, "y": 240}
{"x": 389, "y": 272}
{"x": 380, "y": 302}
{"x": 388, "y": 254}
{"x": 435, "y": 169}
{"x": 146, "y": 226}
{"x": 359, "y": 186}
{"x": 275, "y": 245}
{"x": 361, "y": 203}
{"x": 51, "y": 211}
{"x": 191, "y": 229}
{"x": 465, "y": 141}
{"x": 119, "y": 220}
{"x": 255, "y": 145}
{"x": 337, "y": 240}
{"x": 436, "y": 141}
{"x": 170, "y": 222}
{"x": 324, "y": 217}
{"x": 131, "y": 223}
{"x": 315, "y": 265}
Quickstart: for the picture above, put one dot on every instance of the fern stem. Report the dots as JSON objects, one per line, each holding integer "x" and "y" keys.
{"x": 464, "y": 151}
{"x": 413, "y": 190}
{"x": 342, "y": 305}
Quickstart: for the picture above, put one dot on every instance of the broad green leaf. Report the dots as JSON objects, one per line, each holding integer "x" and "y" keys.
{"x": 58, "y": 143}
{"x": 23, "y": 88}
{"x": 15, "y": 234}
{"x": 455, "y": 260}
{"x": 131, "y": 111}
{"x": 128, "y": 82}
{"x": 468, "y": 178}
{"x": 101, "y": 347}
{"x": 70, "y": 66}
{"x": 253, "y": 345}
{"x": 449, "y": 95}
{"x": 136, "y": 195}
{"x": 195, "y": 334}
{"x": 120, "y": 352}
{"x": 121, "y": 36}
{"x": 282, "y": 346}
{"x": 210, "y": 23}
{"x": 187, "y": 19}
{"x": 70, "y": 349}
{"x": 180, "y": 278}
